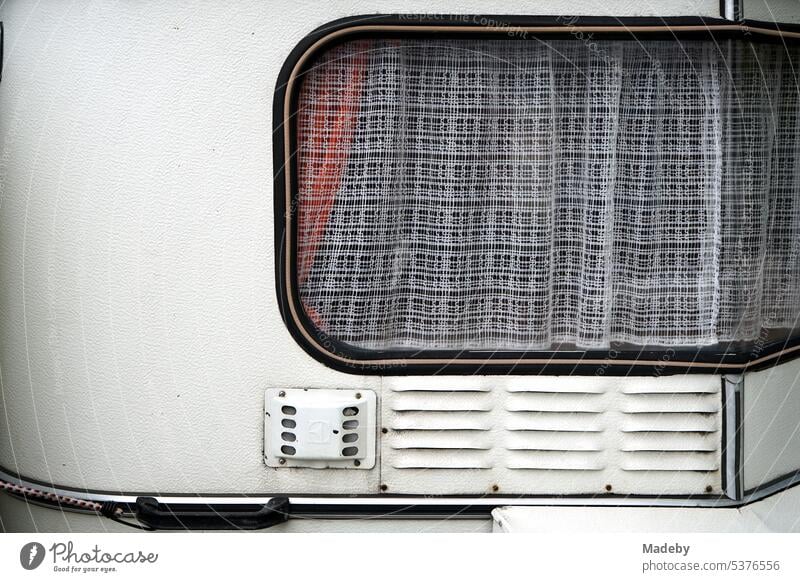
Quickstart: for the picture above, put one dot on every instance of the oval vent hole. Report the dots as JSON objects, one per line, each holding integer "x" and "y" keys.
{"x": 350, "y": 437}
{"x": 350, "y": 451}
{"x": 287, "y": 450}
{"x": 289, "y": 437}
{"x": 350, "y": 424}
{"x": 288, "y": 423}
{"x": 350, "y": 411}
{"x": 290, "y": 410}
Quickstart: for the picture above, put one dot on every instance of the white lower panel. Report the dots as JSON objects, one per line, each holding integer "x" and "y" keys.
{"x": 555, "y": 435}
{"x": 771, "y": 424}
{"x": 778, "y": 513}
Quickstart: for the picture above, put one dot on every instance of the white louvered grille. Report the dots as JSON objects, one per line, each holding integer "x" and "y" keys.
{"x": 433, "y": 429}
{"x": 552, "y": 436}
{"x": 670, "y": 431}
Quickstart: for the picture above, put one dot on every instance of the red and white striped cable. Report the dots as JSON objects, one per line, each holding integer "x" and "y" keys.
{"x": 60, "y": 499}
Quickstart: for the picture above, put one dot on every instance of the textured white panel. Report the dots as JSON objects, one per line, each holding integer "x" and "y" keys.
{"x": 772, "y": 10}
{"x": 139, "y": 322}
{"x": 638, "y": 435}
{"x": 771, "y": 423}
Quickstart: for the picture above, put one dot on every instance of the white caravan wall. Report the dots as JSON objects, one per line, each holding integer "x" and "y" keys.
{"x": 771, "y": 430}
{"x": 772, "y": 10}
{"x": 139, "y": 324}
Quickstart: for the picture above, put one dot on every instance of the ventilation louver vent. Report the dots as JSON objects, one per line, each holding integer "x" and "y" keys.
{"x": 436, "y": 430}
{"x": 671, "y": 432}
{"x": 552, "y": 436}
{"x": 320, "y": 428}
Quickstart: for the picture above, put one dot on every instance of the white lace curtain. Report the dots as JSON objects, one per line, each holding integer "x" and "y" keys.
{"x": 507, "y": 194}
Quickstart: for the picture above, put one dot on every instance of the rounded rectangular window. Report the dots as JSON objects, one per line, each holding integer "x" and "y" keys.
{"x": 549, "y": 197}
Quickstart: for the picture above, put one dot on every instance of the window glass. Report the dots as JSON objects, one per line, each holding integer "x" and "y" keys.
{"x": 546, "y": 194}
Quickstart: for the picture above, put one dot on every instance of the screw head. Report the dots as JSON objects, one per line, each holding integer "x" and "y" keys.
{"x": 281, "y": 461}
{"x": 358, "y": 394}
{"x": 357, "y": 463}
{"x": 282, "y": 393}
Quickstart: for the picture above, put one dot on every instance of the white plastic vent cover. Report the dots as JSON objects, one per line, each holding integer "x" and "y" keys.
{"x": 320, "y": 428}
{"x": 555, "y": 435}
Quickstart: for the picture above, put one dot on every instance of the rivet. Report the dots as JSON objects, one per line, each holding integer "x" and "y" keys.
{"x": 357, "y": 463}
{"x": 358, "y": 394}
{"x": 608, "y": 487}
{"x": 709, "y": 489}
{"x": 282, "y": 461}
{"x": 281, "y": 393}
{"x": 384, "y": 487}
{"x": 384, "y": 430}
{"x": 495, "y": 488}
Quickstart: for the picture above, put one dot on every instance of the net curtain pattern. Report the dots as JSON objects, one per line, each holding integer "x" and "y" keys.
{"x": 509, "y": 195}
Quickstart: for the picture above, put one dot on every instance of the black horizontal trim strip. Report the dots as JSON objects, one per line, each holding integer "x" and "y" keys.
{"x": 395, "y": 507}
{"x": 754, "y": 491}
{"x": 779, "y": 484}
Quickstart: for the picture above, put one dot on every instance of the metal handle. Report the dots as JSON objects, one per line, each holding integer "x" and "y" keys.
{"x": 190, "y": 516}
